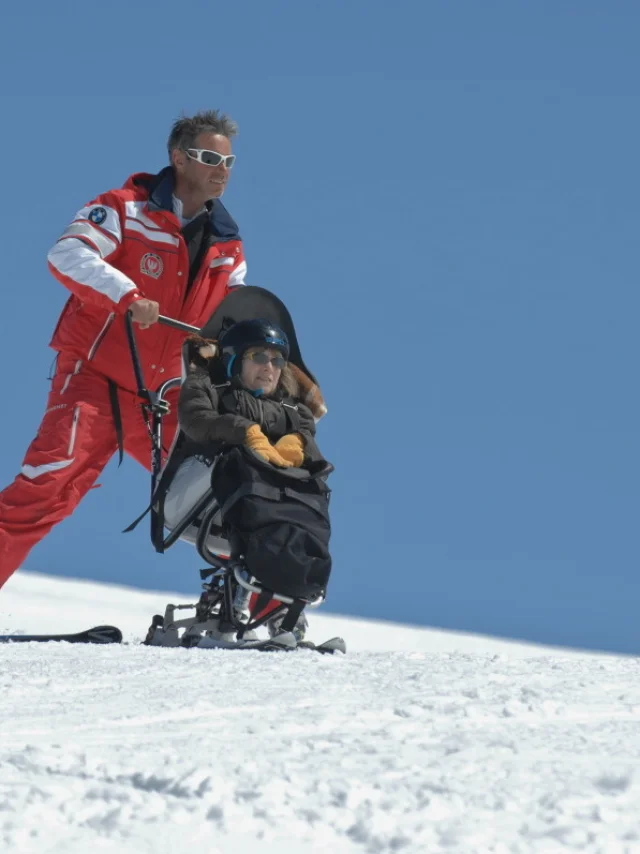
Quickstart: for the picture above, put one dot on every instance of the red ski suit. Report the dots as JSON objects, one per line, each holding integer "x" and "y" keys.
{"x": 125, "y": 245}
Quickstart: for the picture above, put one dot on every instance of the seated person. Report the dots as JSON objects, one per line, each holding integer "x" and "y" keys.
{"x": 242, "y": 392}
{"x": 241, "y": 397}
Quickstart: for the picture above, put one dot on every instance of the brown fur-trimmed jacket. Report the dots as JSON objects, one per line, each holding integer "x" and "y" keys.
{"x": 212, "y": 414}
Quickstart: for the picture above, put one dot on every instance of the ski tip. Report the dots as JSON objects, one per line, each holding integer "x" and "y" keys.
{"x": 105, "y": 634}
{"x": 329, "y": 646}
{"x": 98, "y": 634}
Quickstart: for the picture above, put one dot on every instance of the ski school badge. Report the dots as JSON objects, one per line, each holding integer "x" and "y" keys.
{"x": 97, "y": 216}
{"x": 151, "y": 265}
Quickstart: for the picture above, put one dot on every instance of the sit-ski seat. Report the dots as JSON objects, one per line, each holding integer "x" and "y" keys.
{"x": 186, "y": 501}
{"x": 183, "y": 506}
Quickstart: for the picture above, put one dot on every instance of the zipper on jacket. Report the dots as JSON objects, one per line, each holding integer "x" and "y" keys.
{"x": 74, "y": 428}
{"x": 69, "y": 377}
{"x": 99, "y": 338}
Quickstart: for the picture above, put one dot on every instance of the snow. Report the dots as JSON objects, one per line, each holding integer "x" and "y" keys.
{"x": 418, "y": 741}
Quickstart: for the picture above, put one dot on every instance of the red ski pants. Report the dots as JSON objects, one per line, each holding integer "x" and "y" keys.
{"x": 75, "y": 441}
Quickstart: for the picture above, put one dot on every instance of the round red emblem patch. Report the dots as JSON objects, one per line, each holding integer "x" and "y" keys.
{"x": 151, "y": 265}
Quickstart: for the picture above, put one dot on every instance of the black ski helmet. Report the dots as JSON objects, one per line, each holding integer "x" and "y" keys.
{"x": 236, "y": 340}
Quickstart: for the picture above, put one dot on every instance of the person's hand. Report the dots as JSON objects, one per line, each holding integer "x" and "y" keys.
{"x": 291, "y": 447}
{"x": 145, "y": 312}
{"x": 256, "y": 441}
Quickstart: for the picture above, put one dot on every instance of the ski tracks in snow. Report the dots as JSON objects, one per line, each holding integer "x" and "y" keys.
{"x": 131, "y": 749}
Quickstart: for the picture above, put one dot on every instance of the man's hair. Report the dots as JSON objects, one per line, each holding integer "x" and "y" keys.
{"x": 186, "y": 129}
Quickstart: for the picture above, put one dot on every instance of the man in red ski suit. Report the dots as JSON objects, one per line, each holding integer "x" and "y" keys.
{"x": 163, "y": 244}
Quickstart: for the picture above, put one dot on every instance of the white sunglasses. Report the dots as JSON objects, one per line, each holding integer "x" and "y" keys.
{"x": 210, "y": 158}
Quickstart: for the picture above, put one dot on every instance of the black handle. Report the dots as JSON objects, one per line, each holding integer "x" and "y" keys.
{"x": 178, "y": 324}
{"x": 143, "y": 392}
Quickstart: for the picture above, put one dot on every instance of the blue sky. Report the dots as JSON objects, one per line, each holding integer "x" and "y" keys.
{"x": 445, "y": 196}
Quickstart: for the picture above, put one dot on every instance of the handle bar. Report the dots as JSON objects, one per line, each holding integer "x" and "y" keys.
{"x": 178, "y": 324}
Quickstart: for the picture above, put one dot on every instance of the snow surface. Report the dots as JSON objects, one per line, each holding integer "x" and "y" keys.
{"x": 416, "y": 741}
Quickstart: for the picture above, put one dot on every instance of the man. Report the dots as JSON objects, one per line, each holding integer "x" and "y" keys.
{"x": 163, "y": 244}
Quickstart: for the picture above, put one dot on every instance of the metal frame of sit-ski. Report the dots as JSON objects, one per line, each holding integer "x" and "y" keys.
{"x": 226, "y": 593}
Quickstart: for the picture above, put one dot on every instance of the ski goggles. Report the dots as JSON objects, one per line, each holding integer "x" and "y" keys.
{"x": 261, "y": 358}
{"x": 210, "y": 158}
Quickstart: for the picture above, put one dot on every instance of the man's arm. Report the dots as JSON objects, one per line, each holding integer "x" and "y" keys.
{"x": 80, "y": 261}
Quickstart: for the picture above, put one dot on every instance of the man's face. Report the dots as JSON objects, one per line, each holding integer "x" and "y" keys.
{"x": 208, "y": 182}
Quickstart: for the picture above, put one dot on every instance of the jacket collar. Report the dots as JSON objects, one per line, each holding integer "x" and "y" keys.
{"x": 160, "y": 189}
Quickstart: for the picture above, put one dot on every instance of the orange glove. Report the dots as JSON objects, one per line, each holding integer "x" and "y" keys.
{"x": 291, "y": 447}
{"x": 258, "y": 442}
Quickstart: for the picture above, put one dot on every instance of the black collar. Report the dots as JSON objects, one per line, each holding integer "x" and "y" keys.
{"x": 160, "y": 189}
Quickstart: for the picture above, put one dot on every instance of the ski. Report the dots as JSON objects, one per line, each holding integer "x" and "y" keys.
{"x": 256, "y": 645}
{"x": 269, "y": 645}
{"x": 111, "y": 634}
{"x": 328, "y": 647}
{"x": 99, "y": 634}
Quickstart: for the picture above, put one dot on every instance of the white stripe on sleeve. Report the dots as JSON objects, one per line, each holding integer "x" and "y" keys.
{"x": 105, "y": 245}
{"x": 237, "y": 276}
{"x": 110, "y": 223}
{"x": 72, "y": 258}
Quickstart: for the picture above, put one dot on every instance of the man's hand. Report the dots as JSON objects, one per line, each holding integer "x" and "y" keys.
{"x": 145, "y": 312}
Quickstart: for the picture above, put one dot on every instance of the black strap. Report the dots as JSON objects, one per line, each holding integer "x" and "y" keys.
{"x": 316, "y": 502}
{"x": 292, "y": 415}
{"x": 117, "y": 418}
{"x": 253, "y": 488}
{"x": 135, "y": 522}
{"x": 157, "y": 501}
{"x": 291, "y": 617}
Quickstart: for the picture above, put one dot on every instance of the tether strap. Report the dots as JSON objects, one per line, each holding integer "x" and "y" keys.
{"x": 135, "y": 522}
{"x": 117, "y": 418}
{"x": 158, "y": 497}
{"x": 291, "y": 617}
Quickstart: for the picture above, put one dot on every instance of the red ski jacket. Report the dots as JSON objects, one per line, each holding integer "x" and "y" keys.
{"x": 128, "y": 244}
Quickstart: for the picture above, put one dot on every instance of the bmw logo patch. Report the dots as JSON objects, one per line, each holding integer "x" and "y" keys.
{"x": 98, "y": 216}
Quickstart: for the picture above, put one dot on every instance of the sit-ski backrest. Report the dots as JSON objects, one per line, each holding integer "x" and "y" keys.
{"x": 164, "y": 477}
